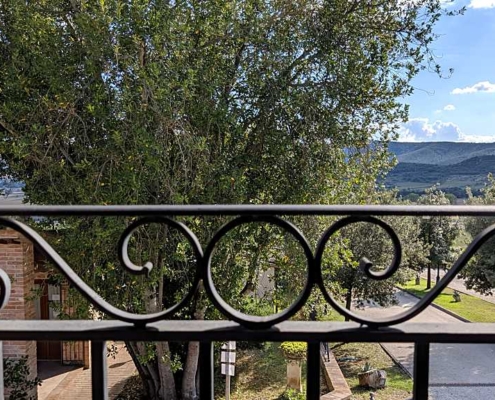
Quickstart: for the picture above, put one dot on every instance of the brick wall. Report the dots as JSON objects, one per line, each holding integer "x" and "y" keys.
{"x": 17, "y": 260}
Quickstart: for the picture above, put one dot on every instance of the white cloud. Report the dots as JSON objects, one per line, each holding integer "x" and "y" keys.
{"x": 477, "y": 139}
{"x": 424, "y": 130}
{"x": 448, "y": 107}
{"x": 484, "y": 86}
{"x": 482, "y": 4}
{"x": 448, "y": 3}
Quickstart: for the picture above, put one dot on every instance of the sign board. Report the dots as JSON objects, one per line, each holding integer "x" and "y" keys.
{"x": 228, "y": 346}
{"x": 228, "y": 359}
{"x": 228, "y": 369}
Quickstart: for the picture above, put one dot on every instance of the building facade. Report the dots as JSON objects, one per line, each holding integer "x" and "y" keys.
{"x": 34, "y": 296}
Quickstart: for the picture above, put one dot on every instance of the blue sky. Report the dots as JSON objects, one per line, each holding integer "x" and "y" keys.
{"x": 462, "y": 107}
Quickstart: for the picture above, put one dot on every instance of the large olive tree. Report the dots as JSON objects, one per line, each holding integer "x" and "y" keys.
{"x": 176, "y": 102}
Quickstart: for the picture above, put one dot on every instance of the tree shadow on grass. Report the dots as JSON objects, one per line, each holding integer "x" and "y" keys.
{"x": 260, "y": 374}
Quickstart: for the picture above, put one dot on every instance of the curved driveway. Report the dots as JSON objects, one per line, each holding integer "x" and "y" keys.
{"x": 457, "y": 371}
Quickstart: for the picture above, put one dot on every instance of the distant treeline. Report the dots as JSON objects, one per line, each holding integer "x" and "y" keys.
{"x": 458, "y": 192}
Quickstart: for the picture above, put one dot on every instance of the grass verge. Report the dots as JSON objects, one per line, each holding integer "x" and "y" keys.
{"x": 399, "y": 385}
{"x": 260, "y": 374}
{"x": 470, "y": 307}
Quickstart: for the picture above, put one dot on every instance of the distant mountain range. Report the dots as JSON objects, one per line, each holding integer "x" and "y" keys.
{"x": 452, "y": 166}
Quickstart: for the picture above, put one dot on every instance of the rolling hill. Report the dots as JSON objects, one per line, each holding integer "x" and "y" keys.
{"x": 451, "y": 166}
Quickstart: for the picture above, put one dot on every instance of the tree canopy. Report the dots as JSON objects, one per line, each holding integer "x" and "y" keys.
{"x": 480, "y": 272}
{"x": 176, "y": 102}
{"x": 170, "y": 102}
{"x": 438, "y": 233}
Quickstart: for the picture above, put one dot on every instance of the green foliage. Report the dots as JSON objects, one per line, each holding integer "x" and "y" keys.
{"x": 451, "y": 197}
{"x": 16, "y": 373}
{"x": 366, "y": 367}
{"x": 294, "y": 350}
{"x": 399, "y": 385}
{"x": 480, "y": 272}
{"x": 412, "y": 197}
{"x": 438, "y": 233}
{"x": 344, "y": 270}
{"x": 291, "y": 394}
{"x": 201, "y": 103}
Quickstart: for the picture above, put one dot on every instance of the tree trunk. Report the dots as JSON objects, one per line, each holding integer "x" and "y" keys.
{"x": 150, "y": 385}
{"x": 348, "y": 302}
{"x": 189, "y": 379}
{"x": 189, "y": 388}
{"x": 156, "y": 374}
{"x": 428, "y": 278}
{"x": 166, "y": 376}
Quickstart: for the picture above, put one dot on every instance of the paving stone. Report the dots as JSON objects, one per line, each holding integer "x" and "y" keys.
{"x": 76, "y": 384}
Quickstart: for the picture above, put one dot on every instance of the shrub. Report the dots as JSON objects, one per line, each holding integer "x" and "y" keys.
{"x": 291, "y": 394}
{"x": 294, "y": 350}
{"x": 16, "y": 372}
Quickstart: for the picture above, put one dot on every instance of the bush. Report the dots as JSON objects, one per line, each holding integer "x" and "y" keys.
{"x": 291, "y": 394}
{"x": 16, "y": 372}
{"x": 294, "y": 350}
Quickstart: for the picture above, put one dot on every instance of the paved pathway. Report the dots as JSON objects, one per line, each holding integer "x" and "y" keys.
{"x": 76, "y": 384}
{"x": 457, "y": 371}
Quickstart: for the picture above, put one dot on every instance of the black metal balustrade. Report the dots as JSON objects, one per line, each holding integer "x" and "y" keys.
{"x": 240, "y": 327}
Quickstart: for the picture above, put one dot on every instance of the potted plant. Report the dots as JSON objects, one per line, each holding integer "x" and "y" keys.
{"x": 366, "y": 374}
{"x": 294, "y": 352}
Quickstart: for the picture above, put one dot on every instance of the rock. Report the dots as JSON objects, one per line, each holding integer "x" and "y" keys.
{"x": 375, "y": 379}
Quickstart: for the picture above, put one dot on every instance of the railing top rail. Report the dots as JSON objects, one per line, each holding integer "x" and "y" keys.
{"x": 228, "y": 209}
{"x": 198, "y": 330}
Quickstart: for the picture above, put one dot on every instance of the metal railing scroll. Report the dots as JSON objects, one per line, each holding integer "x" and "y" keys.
{"x": 243, "y": 215}
{"x": 158, "y": 326}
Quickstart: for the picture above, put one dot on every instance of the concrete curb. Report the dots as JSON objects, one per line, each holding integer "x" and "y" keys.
{"x": 396, "y": 362}
{"x": 334, "y": 379}
{"x": 452, "y": 314}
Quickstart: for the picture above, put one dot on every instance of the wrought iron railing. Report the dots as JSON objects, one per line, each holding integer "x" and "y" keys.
{"x": 156, "y": 327}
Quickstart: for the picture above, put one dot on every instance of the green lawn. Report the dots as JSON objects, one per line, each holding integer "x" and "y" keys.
{"x": 470, "y": 307}
{"x": 261, "y": 374}
{"x": 399, "y": 385}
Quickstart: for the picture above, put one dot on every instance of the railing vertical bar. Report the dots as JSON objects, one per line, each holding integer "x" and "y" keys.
{"x": 313, "y": 371}
{"x": 421, "y": 371}
{"x": 99, "y": 370}
{"x": 206, "y": 371}
{"x": 2, "y": 388}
